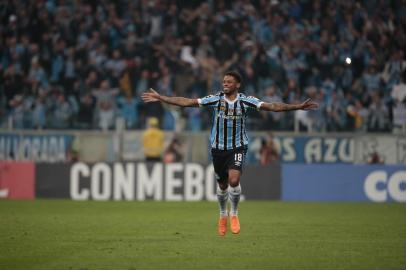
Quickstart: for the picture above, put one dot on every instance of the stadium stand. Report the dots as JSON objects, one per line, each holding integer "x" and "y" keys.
{"x": 82, "y": 64}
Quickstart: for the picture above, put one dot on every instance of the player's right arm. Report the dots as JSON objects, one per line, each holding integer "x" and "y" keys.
{"x": 153, "y": 96}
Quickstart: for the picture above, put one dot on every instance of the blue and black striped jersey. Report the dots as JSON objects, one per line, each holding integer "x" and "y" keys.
{"x": 228, "y": 130}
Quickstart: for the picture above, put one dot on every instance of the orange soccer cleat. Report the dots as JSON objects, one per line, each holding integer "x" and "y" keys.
{"x": 235, "y": 224}
{"x": 222, "y": 228}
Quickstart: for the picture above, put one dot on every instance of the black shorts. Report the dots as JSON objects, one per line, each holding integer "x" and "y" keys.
{"x": 224, "y": 160}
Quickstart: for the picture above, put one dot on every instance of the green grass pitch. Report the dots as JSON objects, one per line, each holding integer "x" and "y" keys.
{"x": 62, "y": 234}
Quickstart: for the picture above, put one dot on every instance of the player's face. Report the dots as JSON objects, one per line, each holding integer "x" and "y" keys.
{"x": 230, "y": 84}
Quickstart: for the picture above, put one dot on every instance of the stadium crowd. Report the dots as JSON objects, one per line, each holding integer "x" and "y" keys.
{"x": 82, "y": 64}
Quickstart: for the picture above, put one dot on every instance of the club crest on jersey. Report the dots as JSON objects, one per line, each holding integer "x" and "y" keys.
{"x": 237, "y": 111}
{"x": 222, "y": 106}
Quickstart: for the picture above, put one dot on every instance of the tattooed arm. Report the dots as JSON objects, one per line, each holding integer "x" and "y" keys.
{"x": 280, "y": 107}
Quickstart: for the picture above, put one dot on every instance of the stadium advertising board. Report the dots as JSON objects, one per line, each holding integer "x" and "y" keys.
{"x": 17, "y": 180}
{"x": 38, "y": 148}
{"x": 144, "y": 181}
{"x": 376, "y": 183}
{"x": 333, "y": 150}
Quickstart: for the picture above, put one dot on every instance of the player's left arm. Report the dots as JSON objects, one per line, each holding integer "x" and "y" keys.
{"x": 308, "y": 104}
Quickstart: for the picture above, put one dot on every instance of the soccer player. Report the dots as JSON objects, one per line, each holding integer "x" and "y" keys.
{"x": 229, "y": 141}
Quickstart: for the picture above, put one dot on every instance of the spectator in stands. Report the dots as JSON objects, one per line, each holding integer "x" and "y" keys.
{"x": 357, "y": 116}
{"x": 69, "y": 74}
{"x": 86, "y": 109}
{"x": 143, "y": 82}
{"x": 17, "y": 111}
{"x": 128, "y": 109}
{"x": 37, "y": 76}
{"x": 394, "y": 69}
{"x": 105, "y": 97}
{"x": 371, "y": 79}
{"x": 115, "y": 65}
{"x": 38, "y": 112}
{"x": 62, "y": 112}
{"x": 13, "y": 83}
{"x": 399, "y": 107}
{"x": 399, "y": 117}
{"x": 318, "y": 118}
{"x": 379, "y": 114}
{"x": 336, "y": 110}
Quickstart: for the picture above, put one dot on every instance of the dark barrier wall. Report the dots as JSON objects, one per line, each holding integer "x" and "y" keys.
{"x": 52, "y": 180}
{"x": 259, "y": 182}
{"x": 141, "y": 181}
{"x": 375, "y": 183}
{"x": 194, "y": 182}
{"x": 17, "y": 180}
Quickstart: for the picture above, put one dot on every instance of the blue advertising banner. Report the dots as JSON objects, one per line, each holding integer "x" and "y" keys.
{"x": 40, "y": 148}
{"x": 377, "y": 183}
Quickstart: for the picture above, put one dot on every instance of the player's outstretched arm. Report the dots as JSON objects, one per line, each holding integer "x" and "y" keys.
{"x": 280, "y": 107}
{"x": 154, "y": 96}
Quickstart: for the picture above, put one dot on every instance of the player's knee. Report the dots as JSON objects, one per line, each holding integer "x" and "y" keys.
{"x": 234, "y": 180}
{"x": 223, "y": 185}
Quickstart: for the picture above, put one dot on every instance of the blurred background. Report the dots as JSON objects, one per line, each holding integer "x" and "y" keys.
{"x": 71, "y": 75}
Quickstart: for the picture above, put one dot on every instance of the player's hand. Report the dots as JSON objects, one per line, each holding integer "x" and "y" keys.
{"x": 151, "y": 96}
{"x": 308, "y": 104}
